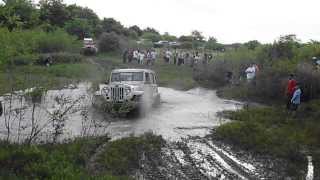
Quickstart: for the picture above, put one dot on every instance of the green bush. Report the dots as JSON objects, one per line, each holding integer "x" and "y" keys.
{"x": 57, "y": 41}
{"x": 60, "y": 161}
{"x": 19, "y": 44}
{"x": 109, "y": 42}
{"x": 273, "y": 131}
{"x": 60, "y": 58}
{"x": 23, "y": 60}
{"x": 122, "y": 157}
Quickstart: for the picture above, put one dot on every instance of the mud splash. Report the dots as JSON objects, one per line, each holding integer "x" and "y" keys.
{"x": 181, "y": 114}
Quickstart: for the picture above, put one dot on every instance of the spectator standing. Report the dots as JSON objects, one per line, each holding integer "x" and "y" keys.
{"x": 168, "y": 55}
{"x": 153, "y": 56}
{"x": 175, "y": 57}
{"x": 149, "y": 57}
{"x": 251, "y": 73}
{"x": 180, "y": 58}
{"x": 125, "y": 56}
{"x": 141, "y": 57}
{"x": 136, "y": 55}
{"x": 296, "y": 98}
{"x": 130, "y": 55}
{"x": 290, "y": 90}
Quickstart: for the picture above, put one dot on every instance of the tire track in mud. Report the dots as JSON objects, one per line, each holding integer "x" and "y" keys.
{"x": 195, "y": 159}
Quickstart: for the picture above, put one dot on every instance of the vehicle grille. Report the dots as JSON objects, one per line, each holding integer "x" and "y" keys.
{"x": 117, "y": 94}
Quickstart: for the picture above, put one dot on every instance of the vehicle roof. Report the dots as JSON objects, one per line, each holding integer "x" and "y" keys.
{"x": 132, "y": 70}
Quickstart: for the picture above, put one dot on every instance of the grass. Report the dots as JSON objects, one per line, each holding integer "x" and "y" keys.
{"x": 122, "y": 157}
{"x": 55, "y": 76}
{"x": 273, "y": 131}
{"x": 94, "y": 69}
{"x": 68, "y": 160}
{"x": 60, "y": 161}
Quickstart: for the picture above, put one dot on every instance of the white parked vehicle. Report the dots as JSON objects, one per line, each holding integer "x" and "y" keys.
{"x": 135, "y": 86}
{"x": 89, "y": 47}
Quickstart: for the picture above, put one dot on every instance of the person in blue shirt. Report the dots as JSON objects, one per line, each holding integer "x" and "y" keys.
{"x": 296, "y": 98}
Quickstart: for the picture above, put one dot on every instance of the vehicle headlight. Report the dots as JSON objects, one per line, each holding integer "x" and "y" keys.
{"x": 128, "y": 90}
{"x": 106, "y": 90}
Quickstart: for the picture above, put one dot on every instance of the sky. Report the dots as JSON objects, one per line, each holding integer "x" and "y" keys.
{"x": 229, "y": 21}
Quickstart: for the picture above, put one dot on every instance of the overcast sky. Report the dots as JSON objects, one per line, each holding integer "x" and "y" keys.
{"x": 228, "y": 20}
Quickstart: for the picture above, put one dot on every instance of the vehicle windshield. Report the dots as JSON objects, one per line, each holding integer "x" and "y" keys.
{"x": 127, "y": 76}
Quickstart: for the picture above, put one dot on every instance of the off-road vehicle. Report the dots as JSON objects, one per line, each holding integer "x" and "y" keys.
{"x": 129, "y": 89}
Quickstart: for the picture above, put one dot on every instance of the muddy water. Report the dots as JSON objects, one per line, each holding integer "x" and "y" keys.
{"x": 181, "y": 114}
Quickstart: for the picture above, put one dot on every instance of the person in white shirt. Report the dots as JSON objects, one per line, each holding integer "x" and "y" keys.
{"x": 251, "y": 73}
{"x": 141, "y": 58}
{"x": 153, "y": 56}
{"x": 135, "y": 55}
{"x": 168, "y": 56}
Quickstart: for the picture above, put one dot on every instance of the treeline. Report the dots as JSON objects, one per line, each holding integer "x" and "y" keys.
{"x": 50, "y": 15}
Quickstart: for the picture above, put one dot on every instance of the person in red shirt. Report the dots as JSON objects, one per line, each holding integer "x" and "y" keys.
{"x": 290, "y": 90}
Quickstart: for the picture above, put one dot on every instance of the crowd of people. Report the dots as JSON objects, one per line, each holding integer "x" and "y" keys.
{"x": 175, "y": 57}
{"x": 140, "y": 56}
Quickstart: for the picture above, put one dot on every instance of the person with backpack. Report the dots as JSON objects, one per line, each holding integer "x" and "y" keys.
{"x": 290, "y": 90}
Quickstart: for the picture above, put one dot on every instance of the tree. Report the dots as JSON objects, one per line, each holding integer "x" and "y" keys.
{"x": 54, "y": 12}
{"x": 151, "y": 36}
{"x": 136, "y": 29}
{"x": 252, "y": 45}
{"x": 79, "y": 28}
{"x": 85, "y": 17}
{"x": 213, "y": 44}
{"x": 197, "y": 35}
{"x": 18, "y": 13}
{"x": 151, "y": 30}
{"x": 284, "y": 47}
{"x": 185, "y": 38}
{"x": 197, "y": 39}
{"x": 111, "y": 25}
{"x": 168, "y": 37}
{"x": 109, "y": 42}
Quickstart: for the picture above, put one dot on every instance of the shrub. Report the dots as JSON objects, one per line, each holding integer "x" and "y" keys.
{"x": 60, "y": 58}
{"x": 122, "y": 156}
{"x": 309, "y": 79}
{"x": 23, "y": 43}
{"x": 267, "y": 130}
{"x": 23, "y": 60}
{"x": 109, "y": 42}
{"x": 57, "y": 41}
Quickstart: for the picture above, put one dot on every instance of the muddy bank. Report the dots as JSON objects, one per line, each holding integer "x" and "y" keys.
{"x": 206, "y": 158}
